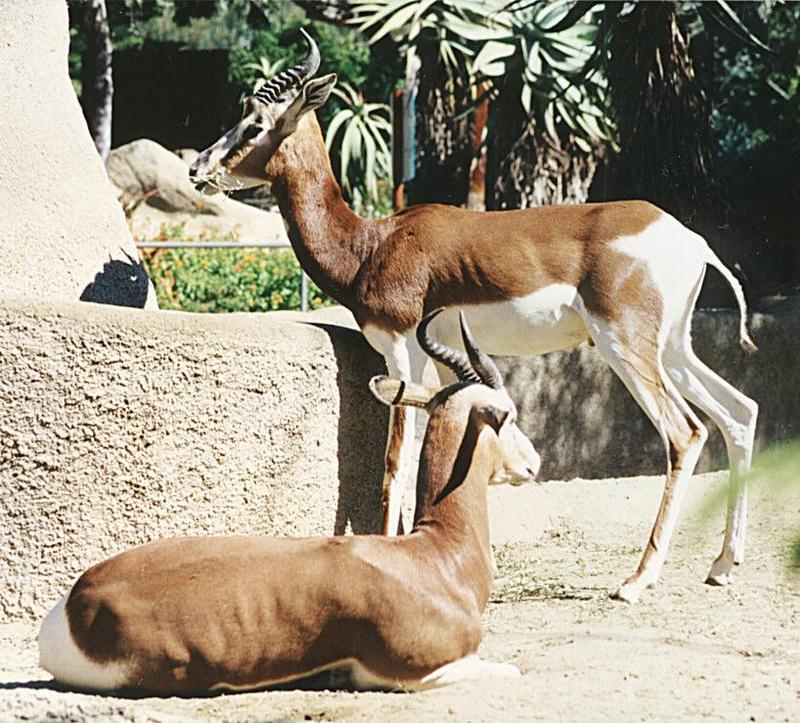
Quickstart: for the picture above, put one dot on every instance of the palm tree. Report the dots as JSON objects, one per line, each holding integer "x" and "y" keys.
{"x": 660, "y": 106}
{"x": 437, "y": 83}
{"x": 443, "y": 128}
{"x": 660, "y": 102}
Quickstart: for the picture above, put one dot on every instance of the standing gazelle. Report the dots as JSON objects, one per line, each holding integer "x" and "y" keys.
{"x": 188, "y": 615}
{"x": 625, "y": 275}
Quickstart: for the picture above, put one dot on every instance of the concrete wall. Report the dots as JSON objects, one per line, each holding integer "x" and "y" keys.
{"x": 120, "y": 426}
{"x": 585, "y": 423}
{"x": 62, "y": 233}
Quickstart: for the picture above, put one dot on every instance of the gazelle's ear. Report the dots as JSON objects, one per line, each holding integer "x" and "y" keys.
{"x": 313, "y": 95}
{"x": 395, "y": 391}
{"x": 491, "y": 415}
{"x": 316, "y": 91}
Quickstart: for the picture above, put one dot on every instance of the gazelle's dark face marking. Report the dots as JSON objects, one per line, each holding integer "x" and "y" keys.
{"x": 239, "y": 158}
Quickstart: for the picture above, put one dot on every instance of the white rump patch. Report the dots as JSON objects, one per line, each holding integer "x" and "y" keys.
{"x": 675, "y": 258}
{"x": 64, "y": 660}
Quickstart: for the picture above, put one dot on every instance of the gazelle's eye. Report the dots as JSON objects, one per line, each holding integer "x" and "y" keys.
{"x": 251, "y": 132}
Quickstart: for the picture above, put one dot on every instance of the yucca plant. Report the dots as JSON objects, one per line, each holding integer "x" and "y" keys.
{"x": 544, "y": 103}
{"x": 359, "y": 136}
{"x": 436, "y": 60}
{"x": 548, "y": 121}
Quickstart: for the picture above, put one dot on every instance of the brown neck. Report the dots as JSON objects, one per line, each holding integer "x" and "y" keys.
{"x": 330, "y": 241}
{"x": 451, "y": 492}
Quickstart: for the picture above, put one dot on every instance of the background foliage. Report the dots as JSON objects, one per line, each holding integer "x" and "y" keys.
{"x": 222, "y": 280}
{"x": 692, "y": 105}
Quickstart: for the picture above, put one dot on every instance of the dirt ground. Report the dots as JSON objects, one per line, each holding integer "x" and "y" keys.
{"x": 686, "y": 651}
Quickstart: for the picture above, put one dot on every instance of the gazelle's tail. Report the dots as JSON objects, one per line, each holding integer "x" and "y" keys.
{"x": 744, "y": 338}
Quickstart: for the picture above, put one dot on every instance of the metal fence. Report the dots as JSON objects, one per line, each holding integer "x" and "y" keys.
{"x": 276, "y": 244}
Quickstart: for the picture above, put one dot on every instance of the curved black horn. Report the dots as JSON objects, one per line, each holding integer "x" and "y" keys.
{"x": 276, "y": 86}
{"x": 453, "y": 359}
{"x": 481, "y": 362}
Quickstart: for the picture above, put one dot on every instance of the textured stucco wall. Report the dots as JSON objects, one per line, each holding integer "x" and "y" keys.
{"x": 585, "y": 423}
{"x": 62, "y": 233}
{"x": 120, "y": 426}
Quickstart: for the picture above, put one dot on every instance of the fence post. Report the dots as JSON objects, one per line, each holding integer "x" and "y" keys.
{"x": 303, "y": 291}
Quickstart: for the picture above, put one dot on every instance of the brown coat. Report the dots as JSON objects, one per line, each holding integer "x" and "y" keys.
{"x": 389, "y": 272}
{"x": 195, "y": 613}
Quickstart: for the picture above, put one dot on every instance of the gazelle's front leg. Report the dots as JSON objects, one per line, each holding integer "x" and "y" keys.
{"x": 405, "y": 361}
{"x": 398, "y": 462}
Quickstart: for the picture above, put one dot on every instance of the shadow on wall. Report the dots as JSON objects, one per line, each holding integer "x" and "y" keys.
{"x": 121, "y": 283}
{"x": 585, "y": 423}
{"x": 361, "y": 439}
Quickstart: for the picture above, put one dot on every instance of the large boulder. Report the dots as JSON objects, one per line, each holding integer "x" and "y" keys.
{"x": 63, "y": 235}
{"x": 143, "y": 169}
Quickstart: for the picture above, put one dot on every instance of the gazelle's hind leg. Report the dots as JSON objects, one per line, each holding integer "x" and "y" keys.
{"x": 735, "y": 414}
{"x": 635, "y": 356}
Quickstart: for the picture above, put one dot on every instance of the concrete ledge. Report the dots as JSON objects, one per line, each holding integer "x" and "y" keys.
{"x": 585, "y": 423}
{"x": 120, "y": 426}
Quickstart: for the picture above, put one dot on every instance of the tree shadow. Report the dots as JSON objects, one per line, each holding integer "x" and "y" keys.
{"x": 120, "y": 283}
{"x": 585, "y": 423}
{"x": 361, "y": 436}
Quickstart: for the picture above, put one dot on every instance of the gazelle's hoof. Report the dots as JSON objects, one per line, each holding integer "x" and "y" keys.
{"x": 720, "y": 573}
{"x": 628, "y": 593}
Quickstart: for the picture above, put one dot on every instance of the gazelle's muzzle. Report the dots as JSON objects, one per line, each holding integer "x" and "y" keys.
{"x": 201, "y": 179}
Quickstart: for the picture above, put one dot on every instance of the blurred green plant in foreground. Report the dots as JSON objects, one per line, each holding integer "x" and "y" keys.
{"x": 778, "y": 469}
{"x": 223, "y": 280}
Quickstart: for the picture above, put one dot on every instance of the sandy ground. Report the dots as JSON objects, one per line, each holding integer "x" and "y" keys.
{"x": 686, "y": 651}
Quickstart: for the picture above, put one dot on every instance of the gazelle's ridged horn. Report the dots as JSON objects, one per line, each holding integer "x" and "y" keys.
{"x": 481, "y": 362}
{"x": 276, "y": 86}
{"x": 453, "y": 359}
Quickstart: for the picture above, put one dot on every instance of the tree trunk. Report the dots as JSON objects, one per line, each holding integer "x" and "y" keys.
{"x": 98, "y": 85}
{"x": 662, "y": 113}
{"x": 524, "y": 167}
{"x": 444, "y": 151}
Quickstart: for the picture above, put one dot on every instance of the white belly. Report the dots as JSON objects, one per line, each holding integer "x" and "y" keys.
{"x": 543, "y": 321}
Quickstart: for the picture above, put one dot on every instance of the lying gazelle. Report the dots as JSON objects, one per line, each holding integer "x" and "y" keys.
{"x": 624, "y": 275}
{"x": 202, "y": 614}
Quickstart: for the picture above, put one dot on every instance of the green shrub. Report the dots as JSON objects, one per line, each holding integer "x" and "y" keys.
{"x": 220, "y": 280}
